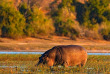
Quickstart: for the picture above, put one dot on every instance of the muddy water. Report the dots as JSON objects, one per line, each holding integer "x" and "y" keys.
{"x": 43, "y": 52}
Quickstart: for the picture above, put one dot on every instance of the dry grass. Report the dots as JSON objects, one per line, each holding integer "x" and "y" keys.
{"x": 35, "y": 44}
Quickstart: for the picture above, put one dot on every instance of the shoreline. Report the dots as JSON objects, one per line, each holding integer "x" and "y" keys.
{"x": 43, "y": 44}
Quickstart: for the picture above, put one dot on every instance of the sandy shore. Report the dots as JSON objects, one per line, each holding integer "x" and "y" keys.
{"x": 43, "y": 44}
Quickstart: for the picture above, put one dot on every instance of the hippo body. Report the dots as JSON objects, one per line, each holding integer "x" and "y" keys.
{"x": 67, "y": 55}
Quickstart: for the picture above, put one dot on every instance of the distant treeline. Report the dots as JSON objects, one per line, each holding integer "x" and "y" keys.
{"x": 69, "y": 18}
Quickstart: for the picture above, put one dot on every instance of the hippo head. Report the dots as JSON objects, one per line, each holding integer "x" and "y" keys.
{"x": 46, "y": 58}
{"x": 43, "y": 59}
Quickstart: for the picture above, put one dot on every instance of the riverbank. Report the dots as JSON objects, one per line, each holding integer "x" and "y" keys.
{"x": 42, "y": 44}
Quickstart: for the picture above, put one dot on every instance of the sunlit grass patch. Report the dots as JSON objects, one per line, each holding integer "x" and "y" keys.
{"x": 21, "y": 63}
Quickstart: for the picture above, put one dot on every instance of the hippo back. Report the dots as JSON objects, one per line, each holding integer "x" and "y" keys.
{"x": 70, "y": 53}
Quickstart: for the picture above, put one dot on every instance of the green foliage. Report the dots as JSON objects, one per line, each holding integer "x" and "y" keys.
{"x": 80, "y": 10}
{"x": 66, "y": 3}
{"x": 94, "y": 11}
{"x": 105, "y": 30}
{"x": 23, "y": 8}
{"x": 29, "y": 20}
{"x": 64, "y": 19}
{"x": 37, "y": 22}
{"x": 97, "y": 12}
{"x": 107, "y": 14}
{"x": 64, "y": 23}
{"x": 11, "y": 21}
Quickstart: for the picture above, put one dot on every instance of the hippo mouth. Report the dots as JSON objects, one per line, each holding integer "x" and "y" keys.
{"x": 38, "y": 64}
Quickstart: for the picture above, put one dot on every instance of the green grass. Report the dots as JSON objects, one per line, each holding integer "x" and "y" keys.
{"x": 26, "y": 64}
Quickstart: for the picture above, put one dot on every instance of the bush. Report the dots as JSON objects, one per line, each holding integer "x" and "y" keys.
{"x": 23, "y": 8}
{"x": 11, "y": 21}
{"x": 36, "y": 22}
{"x": 107, "y": 14}
{"x": 94, "y": 11}
{"x": 107, "y": 37}
{"x": 105, "y": 30}
{"x": 64, "y": 23}
{"x": 66, "y": 3}
{"x": 92, "y": 31}
{"x": 91, "y": 34}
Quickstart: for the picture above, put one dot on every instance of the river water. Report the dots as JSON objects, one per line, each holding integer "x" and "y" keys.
{"x": 43, "y": 52}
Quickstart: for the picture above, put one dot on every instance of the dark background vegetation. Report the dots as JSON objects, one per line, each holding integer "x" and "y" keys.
{"x": 72, "y": 18}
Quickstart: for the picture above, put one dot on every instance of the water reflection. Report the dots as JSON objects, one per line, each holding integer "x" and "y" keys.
{"x": 21, "y": 52}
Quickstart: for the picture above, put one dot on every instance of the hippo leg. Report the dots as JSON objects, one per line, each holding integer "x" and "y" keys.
{"x": 79, "y": 65}
{"x": 51, "y": 67}
{"x": 83, "y": 63}
{"x": 65, "y": 64}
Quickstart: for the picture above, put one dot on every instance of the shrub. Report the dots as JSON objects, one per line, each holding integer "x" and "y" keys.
{"x": 105, "y": 30}
{"x": 66, "y": 3}
{"x": 107, "y": 14}
{"x": 11, "y": 21}
{"x": 23, "y": 8}
{"x": 107, "y": 37}
{"x": 37, "y": 22}
{"x": 92, "y": 34}
{"x": 96, "y": 12}
{"x": 92, "y": 31}
{"x": 64, "y": 23}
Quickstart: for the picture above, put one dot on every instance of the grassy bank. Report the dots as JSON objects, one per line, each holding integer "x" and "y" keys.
{"x": 25, "y": 64}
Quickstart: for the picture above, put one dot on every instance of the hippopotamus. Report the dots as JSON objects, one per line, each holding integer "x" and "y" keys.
{"x": 65, "y": 55}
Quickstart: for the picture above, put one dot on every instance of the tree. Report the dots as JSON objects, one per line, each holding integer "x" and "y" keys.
{"x": 64, "y": 22}
{"x": 96, "y": 9}
{"x": 11, "y": 21}
{"x": 96, "y": 16}
{"x": 36, "y": 22}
